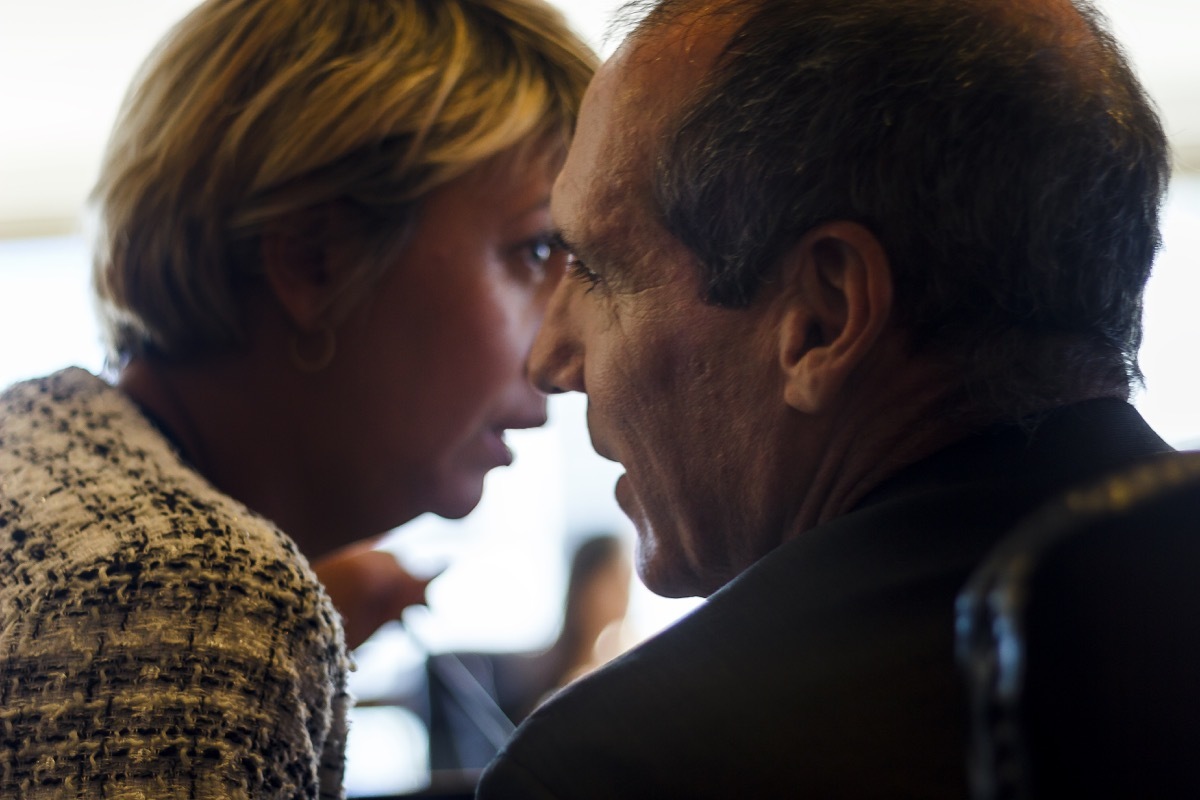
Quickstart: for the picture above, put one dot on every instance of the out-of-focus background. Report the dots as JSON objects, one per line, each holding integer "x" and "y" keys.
{"x": 64, "y": 66}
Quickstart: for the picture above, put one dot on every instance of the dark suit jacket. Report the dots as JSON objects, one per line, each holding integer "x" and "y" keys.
{"x": 826, "y": 669}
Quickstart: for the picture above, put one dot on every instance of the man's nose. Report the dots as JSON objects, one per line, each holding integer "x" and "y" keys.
{"x": 556, "y": 358}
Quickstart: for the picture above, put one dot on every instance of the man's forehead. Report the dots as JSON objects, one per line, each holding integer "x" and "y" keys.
{"x": 661, "y": 66}
{"x": 631, "y": 104}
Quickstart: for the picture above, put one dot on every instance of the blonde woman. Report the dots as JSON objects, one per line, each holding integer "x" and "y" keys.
{"x": 323, "y": 251}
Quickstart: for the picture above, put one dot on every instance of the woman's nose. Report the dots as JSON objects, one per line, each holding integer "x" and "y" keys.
{"x": 556, "y": 358}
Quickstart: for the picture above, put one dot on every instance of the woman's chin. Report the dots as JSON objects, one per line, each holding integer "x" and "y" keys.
{"x": 455, "y": 502}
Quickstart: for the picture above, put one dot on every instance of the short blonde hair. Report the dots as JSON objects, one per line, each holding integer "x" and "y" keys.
{"x": 254, "y": 113}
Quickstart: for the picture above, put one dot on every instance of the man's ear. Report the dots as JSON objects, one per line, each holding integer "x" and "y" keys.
{"x": 838, "y": 290}
{"x": 299, "y": 269}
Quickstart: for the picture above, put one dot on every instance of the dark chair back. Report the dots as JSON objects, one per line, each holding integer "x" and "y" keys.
{"x": 1080, "y": 641}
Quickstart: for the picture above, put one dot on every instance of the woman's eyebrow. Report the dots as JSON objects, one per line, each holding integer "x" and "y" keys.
{"x": 539, "y": 205}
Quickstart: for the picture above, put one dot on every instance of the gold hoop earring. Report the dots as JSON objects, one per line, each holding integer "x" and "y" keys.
{"x": 316, "y": 353}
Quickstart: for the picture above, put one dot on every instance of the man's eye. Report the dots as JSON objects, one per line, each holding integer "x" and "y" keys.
{"x": 579, "y": 271}
{"x": 575, "y": 268}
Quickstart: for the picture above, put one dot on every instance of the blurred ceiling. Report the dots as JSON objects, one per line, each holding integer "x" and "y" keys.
{"x": 64, "y": 65}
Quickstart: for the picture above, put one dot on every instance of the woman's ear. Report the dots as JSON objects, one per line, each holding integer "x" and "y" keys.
{"x": 838, "y": 290}
{"x": 300, "y": 269}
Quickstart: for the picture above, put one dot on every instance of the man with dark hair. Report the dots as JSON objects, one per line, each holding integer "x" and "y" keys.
{"x": 856, "y": 285}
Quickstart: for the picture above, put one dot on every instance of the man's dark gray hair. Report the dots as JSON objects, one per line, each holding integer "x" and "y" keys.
{"x": 1003, "y": 153}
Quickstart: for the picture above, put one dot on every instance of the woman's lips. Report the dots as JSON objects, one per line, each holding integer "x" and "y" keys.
{"x": 498, "y": 452}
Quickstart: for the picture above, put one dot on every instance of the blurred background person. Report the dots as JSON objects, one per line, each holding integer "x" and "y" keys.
{"x": 597, "y": 601}
{"x": 475, "y": 698}
{"x": 323, "y": 250}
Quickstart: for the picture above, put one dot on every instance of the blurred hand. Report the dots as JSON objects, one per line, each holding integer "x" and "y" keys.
{"x": 368, "y": 587}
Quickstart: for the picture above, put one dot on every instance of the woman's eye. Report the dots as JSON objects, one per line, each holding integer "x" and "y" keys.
{"x": 541, "y": 250}
{"x": 540, "y": 253}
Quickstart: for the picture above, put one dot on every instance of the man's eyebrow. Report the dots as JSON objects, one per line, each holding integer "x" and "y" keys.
{"x": 568, "y": 241}
{"x": 571, "y": 241}
{"x": 596, "y": 251}
{"x": 559, "y": 239}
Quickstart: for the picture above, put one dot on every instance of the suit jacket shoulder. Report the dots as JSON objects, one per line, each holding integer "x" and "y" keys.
{"x": 827, "y": 668}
